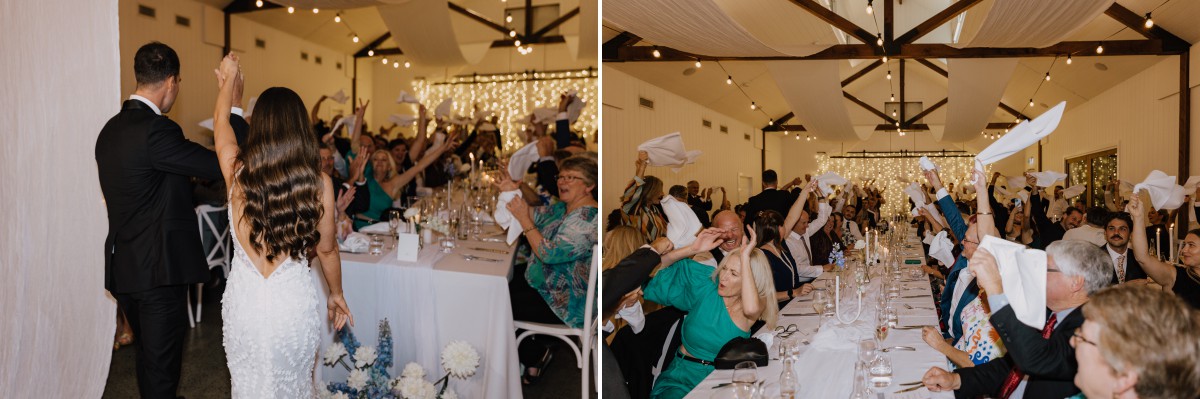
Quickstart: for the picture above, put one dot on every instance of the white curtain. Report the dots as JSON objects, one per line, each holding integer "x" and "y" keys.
{"x": 694, "y": 26}
{"x": 60, "y": 84}
{"x": 422, "y": 29}
{"x": 1027, "y": 23}
{"x": 974, "y": 90}
{"x": 813, "y": 90}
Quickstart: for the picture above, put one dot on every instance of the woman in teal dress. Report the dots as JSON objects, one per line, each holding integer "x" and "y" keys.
{"x": 385, "y": 184}
{"x": 722, "y": 304}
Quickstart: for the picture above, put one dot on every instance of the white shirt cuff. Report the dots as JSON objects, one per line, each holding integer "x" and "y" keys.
{"x": 561, "y": 116}
{"x": 546, "y": 158}
{"x": 237, "y": 111}
{"x": 942, "y": 193}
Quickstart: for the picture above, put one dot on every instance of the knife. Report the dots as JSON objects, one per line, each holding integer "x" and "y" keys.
{"x": 910, "y": 389}
{"x": 495, "y": 251}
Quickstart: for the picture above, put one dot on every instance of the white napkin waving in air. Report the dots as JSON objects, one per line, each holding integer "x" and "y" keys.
{"x": 668, "y": 150}
{"x": 339, "y": 97}
{"x": 520, "y": 161}
{"x": 347, "y": 120}
{"x": 1190, "y": 185}
{"x": 403, "y": 120}
{"x": 1164, "y": 193}
{"x": 545, "y": 116}
{"x": 1022, "y": 136}
{"x": 1048, "y": 178}
{"x": 1073, "y": 191}
{"x": 926, "y": 164}
{"x": 505, "y": 219}
{"x": 917, "y": 195}
{"x": 941, "y": 248}
{"x": 407, "y": 98}
{"x": 829, "y": 178}
{"x": 682, "y": 223}
{"x": 574, "y": 108}
{"x": 443, "y": 109}
{"x": 1023, "y": 276}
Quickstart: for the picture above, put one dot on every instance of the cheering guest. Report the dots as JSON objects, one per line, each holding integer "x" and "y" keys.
{"x": 1117, "y": 233}
{"x": 1058, "y": 205}
{"x": 561, "y": 237}
{"x": 824, "y": 239}
{"x": 1185, "y": 280}
{"x": 849, "y": 226}
{"x": 700, "y": 201}
{"x": 731, "y": 227}
{"x": 1040, "y": 363}
{"x": 799, "y": 239}
{"x": 640, "y": 202}
{"x": 1093, "y": 230}
{"x": 771, "y": 197}
{"x": 1048, "y": 230}
{"x": 721, "y": 306}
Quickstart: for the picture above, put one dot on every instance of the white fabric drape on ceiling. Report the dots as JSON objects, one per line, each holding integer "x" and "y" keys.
{"x": 813, "y": 90}
{"x": 781, "y": 25}
{"x": 58, "y": 321}
{"x": 1027, "y": 23}
{"x": 694, "y": 26}
{"x": 975, "y": 88}
{"x": 422, "y": 29}
{"x": 585, "y": 46}
{"x": 334, "y": 4}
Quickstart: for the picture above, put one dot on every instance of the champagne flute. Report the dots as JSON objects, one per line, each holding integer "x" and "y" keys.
{"x": 394, "y": 219}
{"x": 820, "y": 296}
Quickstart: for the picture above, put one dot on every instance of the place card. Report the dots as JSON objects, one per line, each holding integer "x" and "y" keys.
{"x": 408, "y": 247}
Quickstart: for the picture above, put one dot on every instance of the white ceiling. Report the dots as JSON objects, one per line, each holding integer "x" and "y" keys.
{"x": 1076, "y": 83}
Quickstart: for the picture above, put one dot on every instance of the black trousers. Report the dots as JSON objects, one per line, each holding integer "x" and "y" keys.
{"x": 158, "y": 317}
{"x": 528, "y": 305}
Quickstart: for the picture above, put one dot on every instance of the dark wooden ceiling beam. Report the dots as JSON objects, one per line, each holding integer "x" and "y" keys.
{"x": 934, "y": 67}
{"x": 836, "y": 20}
{"x": 564, "y": 18}
{"x": 790, "y": 128}
{"x": 540, "y": 40}
{"x": 478, "y": 17}
{"x": 373, "y": 45}
{"x": 243, "y": 6}
{"x": 778, "y": 122}
{"x": 382, "y": 52}
{"x": 623, "y": 39}
{"x": 1000, "y": 125}
{"x": 1137, "y": 23}
{"x": 901, "y": 118}
{"x": 919, "y": 50}
{"x": 862, "y": 72}
{"x": 868, "y": 107}
{"x": 924, "y": 127}
{"x": 889, "y": 27}
{"x": 927, "y": 111}
{"x": 937, "y": 20}
{"x": 1012, "y": 111}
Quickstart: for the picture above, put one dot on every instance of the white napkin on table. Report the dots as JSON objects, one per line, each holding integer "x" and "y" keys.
{"x": 403, "y": 120}
{"x": 407, "y": 98}
{"x": 835, "y": 337}
{"x": 381, "y": 227}
{"x": 766, "y": 335}
{"x": 355, "y": 242}
{"x": 1164, "y": 193}
{"x": 926, "y": 164}
{"x": 339, "y": 97}
{"x": 443, "y": 109}
{"x": 829, "y": 178}
{"x": 682, "y": 223}
{"x": 506, "y": 219}
{"x": 1048, "y": 178}
{"x": 520, "y": 161}
{"x": 1023, "y": 276}
{"x": 1022, "y": 136}
{"x": 1072, "y": 191}
{"x": 668, "y": 150}
{"x": 940, "y": 248}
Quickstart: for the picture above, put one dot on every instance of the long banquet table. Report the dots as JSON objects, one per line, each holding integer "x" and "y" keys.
{"x": 440, "y": 298}
{"x": 825, "y": 366}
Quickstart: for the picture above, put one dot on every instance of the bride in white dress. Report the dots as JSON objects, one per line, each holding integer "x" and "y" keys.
{"x": 280, "y": 207}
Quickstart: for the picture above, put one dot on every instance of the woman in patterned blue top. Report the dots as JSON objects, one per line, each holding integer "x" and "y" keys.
{"x": 561, "y": 236}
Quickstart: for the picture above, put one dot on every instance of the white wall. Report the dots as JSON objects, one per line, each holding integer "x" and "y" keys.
{"x": 57, "y": 89}
{"x": 199, "y": 49}
{"x": 627, "y": 124}
{"x": 1139, "y": 117}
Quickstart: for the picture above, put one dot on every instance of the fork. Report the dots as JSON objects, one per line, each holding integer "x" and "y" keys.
{"x": 478, "y": 258}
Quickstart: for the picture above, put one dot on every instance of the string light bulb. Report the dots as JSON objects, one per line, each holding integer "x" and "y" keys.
{"x": 337, "y": 18}
{"x": 384, "y": 60}
{"x": 656, "y": 53}
{"x": 879, "y": 39}
{"x": 770, "y": 122}
{"x": 893, "y": 97}
{"x": 893, "y": 113}
{"x": 870, "y": 9}
{"x": 1068, "y": 59}
{"x": 407, "y": 64}
{"x": 1031, "y": 102}
{"x": 1149, "y": 21}
{"x": 316, "y": 10}
{"x": 729, "y": 80}
{"x": 1100, "y": 48}
{"x": 371, "y": 53}
{"x": 355, "y": 39}
{"x": 753, "y": 106}
{"x": 508, "y": 18}
{"x": 1047, "y": 76}
{"x": 517, "y": 43}
{"x": 698, "y": 63}
{"x": 901, "y": 132}
{"x": 885, "y": 58}
{"x": 291, "y": 10}
{"x": 512, "y": 33}
{"x": 396, "y": 65}
{"x": 889, "y": 75}
{"x": 258, "y": 3}
{"x": 786, "y": 132}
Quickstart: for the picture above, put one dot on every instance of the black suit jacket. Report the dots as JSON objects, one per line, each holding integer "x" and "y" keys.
{"x": 1048, "y": 231}
{"x": 1133, "y": 269}
{"x": 1049, "y": 363}
{"x": 769, "y": 199}
{"x": 701, "y": 207}
{"x": 630, "y": 273}
{"x": 144, "y": 163}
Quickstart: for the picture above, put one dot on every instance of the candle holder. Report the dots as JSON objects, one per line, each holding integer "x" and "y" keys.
{"x": 837, "y": 302}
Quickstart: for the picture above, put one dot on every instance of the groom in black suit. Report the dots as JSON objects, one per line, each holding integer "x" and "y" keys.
{"x": 153, "y": 250}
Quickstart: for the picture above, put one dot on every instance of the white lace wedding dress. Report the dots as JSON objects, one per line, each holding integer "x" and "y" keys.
{"x": 272, "y": 327}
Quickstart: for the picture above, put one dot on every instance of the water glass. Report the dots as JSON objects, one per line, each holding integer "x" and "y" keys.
{"x": 376, "y": 246}
{"x": 745, "y": 380}
{"x": 866, "y": 350}
{"x": 881, "y": 370}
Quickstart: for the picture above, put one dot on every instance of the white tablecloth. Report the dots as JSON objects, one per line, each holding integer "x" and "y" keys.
{"x": 826, "y": 367}
{"x": 440, "y": 298}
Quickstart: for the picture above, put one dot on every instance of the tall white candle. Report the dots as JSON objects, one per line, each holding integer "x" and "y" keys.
{"x": 1158, "y": 242}
{"x": 1171, "y": 240}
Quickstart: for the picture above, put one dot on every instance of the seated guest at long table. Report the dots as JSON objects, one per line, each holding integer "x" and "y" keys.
{"x": 721, "y": 305}
{"x": 561, "y": 236}
{"x": 1183, "y": 281}
{"x": 768, "y": 226}
{"x": 1040, "y": 363}
{"x": 1137, "y": 342}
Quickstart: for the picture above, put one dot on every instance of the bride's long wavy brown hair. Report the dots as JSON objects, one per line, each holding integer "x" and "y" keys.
{"x": 281, "y": 177}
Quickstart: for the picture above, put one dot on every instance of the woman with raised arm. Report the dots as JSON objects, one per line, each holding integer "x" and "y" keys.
{"x": 1184, "y": 280}
{"x": 280, "y": 207}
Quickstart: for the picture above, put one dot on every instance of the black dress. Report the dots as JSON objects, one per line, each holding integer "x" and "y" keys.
{"x": 1187, "y": 287}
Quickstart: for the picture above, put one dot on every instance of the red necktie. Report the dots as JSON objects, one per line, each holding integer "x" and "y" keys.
{"x": 1014, "y": 377}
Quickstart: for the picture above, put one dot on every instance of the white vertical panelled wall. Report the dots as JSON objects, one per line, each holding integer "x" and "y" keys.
{"x": 627, "y": 124}
{"x": 278, "y": 63}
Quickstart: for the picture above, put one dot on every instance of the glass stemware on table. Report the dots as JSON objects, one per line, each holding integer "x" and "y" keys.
{"x": 745, "y": 381}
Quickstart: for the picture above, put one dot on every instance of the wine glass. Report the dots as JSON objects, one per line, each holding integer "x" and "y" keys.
{"x": 745, "y": 379}
{"x": 394, "y": 219}
{"x": 820, "y": 297}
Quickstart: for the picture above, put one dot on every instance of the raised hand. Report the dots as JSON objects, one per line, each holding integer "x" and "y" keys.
{"x": 643, "y": 158}
{"x": 983, "y": 266}
{"x": 748, "y": 241}
{"x": 520, "y": 210}
{"x": 361, "y": 109}
{"x": 707, "y": 239}
{"x": 345, "y": 198}
{"x": 935, "y": 181}
{"x": 358, "y": 166}
{"x": 1135, "y": 207}
{"x": 662, "y": 245}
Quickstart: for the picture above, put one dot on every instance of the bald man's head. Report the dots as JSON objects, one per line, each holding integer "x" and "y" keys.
{"x": 732, "y": 224}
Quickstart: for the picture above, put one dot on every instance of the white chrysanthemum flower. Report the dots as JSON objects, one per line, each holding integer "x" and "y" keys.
{"x": 365, "y": 356}
{"x": 460, "y": 359}
{"x": 341, "y": 395}
{"x": 449, "y": 394}
{"x": 357, "y": 379}
{"x": 334, "y": 352}
{"x": 413, "y": 370}
{"x": 416, "y": 388}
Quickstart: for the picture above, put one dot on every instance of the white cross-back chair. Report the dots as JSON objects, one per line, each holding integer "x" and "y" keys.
{"x": 217, "y": 256}
{"x": 586, "y": 335}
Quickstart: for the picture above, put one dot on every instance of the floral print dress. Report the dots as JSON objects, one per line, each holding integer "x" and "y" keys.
{"x": 979, "y": 340}
{"x": 559, "y": 270}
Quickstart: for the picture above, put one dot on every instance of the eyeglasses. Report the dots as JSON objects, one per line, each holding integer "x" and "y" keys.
{"x": 1076, "y": 337}
{"x": 1049, "y": 270}
{"x": 973, "y": 242}
{"x": 785, "y": 332}
{"x": 569, "y": 178}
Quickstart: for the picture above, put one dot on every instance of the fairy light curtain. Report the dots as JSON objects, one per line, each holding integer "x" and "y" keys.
{"x": 893, "y": 171}
{"x": 515, "y": 96}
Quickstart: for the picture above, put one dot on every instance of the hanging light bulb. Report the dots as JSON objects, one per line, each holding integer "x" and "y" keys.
{"x": 1100, "y": 48}
{"x": 1047, "y": 76}
{"x": 797, "y": 137}
{"x": 885, "y": 58}
{"x": 897, "y": 125}
{"x": 371, "y": 53}
{"x": 889, "y": 75}
{"x": 901, "y": 132}
{"x": 1031, "y": 102}
{"x": 396, "y": 65}
{"x": 893, "y": 114}
{"x": 656, "y": 53}
{"x": 291, "y": 10}
{"x": 315, "y": 10}
{"x": 384, "y": 60}
{"x": 893, "y": 97}
{"x": 697, "y": 63}
{"x": 785, "y": 133}
{"x": 729, "y": 80}
{"x": 508, "y": 18}
{"x": 407, "y": 64}
{"x": 770, "y": 122}
{"x": 355, "y": 39}
{"x": 1149, "y": 21}
{"x": 1068, "y": 59}
{"x": 753, "y": 106}
{"x": 528, "y": 49}
{"x": 870, "y": 9}
{"x": 512, "y": 33}
{"x": 879, "y": 39}
{"x": 258, "y": 3}
{"x": 517, "y": 43}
